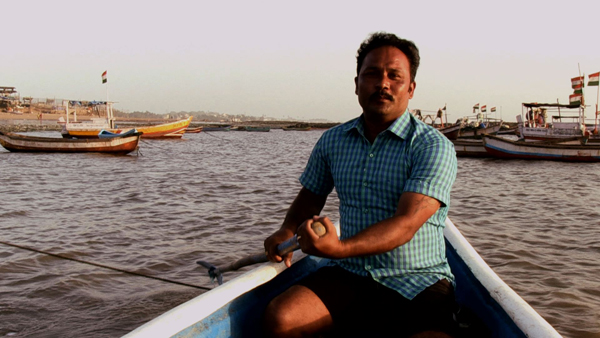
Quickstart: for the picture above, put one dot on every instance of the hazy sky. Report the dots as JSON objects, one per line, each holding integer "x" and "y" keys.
{"x": 296, "y": 59}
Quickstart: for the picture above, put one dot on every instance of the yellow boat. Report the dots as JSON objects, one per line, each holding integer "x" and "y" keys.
{"x": 92, "y": 128}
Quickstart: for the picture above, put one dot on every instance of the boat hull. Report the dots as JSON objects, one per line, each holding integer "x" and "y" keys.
{"x": 119, "y": 145}
{"x": 503, "y": 148}
{"x": 470, "y": 148}
{"x": 451, "y": 132}
{"x": 189, "y": 130}
{"x": 172, "y": 130}
{"x": 477, "y": 132}
{"x": 234, "y": 309}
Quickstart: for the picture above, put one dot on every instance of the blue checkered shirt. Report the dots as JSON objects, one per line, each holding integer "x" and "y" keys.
{"x": 369, "y": 179}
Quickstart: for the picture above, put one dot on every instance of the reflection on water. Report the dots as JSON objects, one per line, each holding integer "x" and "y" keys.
{"x": 216, "y": 196}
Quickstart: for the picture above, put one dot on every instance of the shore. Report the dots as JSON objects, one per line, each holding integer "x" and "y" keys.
{"x": 25, "y": 122}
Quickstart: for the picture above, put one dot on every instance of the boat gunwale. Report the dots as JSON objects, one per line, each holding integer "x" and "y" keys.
{"x": 525, "y": 317}
{"x": 194, "y": 311}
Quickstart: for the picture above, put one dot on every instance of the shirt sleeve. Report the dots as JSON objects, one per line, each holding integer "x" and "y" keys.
{"x": 433, "y": 169}
{"x": 317, "y": 175}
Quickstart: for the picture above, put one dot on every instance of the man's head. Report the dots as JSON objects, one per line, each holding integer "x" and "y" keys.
{"x": 381, "y": 39}
{"x": 386, "y": 67}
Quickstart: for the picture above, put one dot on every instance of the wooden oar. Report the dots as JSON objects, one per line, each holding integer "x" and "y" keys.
{"x": 261, "y": 257}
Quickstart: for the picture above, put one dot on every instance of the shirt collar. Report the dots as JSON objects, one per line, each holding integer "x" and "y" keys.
{"x": 400, "y": 127}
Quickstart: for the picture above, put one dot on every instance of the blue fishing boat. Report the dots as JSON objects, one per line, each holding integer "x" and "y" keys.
{"x": 216, "y": 128}
{"x": 109, "y": 134}
{"x": 234, "y": 309}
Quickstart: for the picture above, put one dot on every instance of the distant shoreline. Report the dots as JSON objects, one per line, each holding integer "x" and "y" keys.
{"x": 26, "y": 122}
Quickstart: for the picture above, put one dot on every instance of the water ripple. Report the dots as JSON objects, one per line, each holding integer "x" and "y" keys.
{"x": 217, "y": 196}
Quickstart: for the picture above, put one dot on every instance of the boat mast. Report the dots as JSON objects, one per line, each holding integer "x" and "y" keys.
{"x": 596, "y": 112}
{"x": 582, "y": 105}
{"x": 66, "y": 104}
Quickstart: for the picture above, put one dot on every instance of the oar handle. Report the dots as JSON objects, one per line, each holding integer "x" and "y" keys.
{"x": 288, "y": 246}
{"x": 292, "y": 243}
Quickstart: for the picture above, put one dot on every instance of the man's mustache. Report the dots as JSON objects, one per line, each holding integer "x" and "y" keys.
{"x": 381, "y": 94}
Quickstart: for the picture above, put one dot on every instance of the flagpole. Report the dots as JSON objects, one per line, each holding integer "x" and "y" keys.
{"x": 446, "y": 111}
{"x": 597, "y": 96}
{"x": 582, "y": 95}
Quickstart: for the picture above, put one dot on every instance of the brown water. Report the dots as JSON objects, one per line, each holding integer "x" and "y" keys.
{"x": 216, "y": 196}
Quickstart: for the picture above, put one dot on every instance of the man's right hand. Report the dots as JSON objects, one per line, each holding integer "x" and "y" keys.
{"x": 273, "y": 241}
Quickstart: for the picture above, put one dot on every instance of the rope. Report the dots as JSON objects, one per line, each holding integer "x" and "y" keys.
{"x": 105, "y": 266}
{"x": 210, "y": 134}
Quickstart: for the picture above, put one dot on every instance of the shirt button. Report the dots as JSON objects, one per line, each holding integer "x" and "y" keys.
{"x": 366, "y": 211}
{"x": 368, "y": 267}
{"x": 365, "y": 184}
{"x": 371, "y": 155}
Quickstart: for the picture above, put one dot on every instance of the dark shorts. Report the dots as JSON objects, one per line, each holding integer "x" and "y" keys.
{"x": 362, "y": 307}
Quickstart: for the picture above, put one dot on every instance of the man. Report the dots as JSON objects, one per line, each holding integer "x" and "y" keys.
{"x": 393, "y": 175}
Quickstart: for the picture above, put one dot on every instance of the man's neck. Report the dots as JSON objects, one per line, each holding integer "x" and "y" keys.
{"x": 374, "y": 126}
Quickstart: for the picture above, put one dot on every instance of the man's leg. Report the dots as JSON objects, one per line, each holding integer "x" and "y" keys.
{"x": 297, "y": 312}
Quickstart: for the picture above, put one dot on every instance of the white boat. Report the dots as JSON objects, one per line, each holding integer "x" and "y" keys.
{"x": 568, "y": 121}
{"x": 94, "y": 127}
{"x": 481, "y": 125}
{"x": 553, "y": 150}
{"x": 470, "y": 148}
{"x": 234, "y": 309}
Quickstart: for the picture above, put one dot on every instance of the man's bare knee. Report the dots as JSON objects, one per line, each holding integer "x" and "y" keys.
{"x": 295, "y": 313}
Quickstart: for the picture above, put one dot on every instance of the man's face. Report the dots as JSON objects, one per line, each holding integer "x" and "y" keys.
{"x": 383, "y": 84}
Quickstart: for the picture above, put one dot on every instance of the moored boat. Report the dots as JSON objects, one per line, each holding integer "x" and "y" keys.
{"x": 169, "y": 130}
{"x": 557, "y": 151}
{"x": 118, "y": 145}
{"x": 568, "y": 121}
{"x": 92, "y": 128}
{"x": 258, "y": 128}
{"x": 470, "y": 148}
{"x": 297, "y": 127}
{"x": 480, "y": 126}
{"x": 451, "y": 132}
{"x": 217, "y": 128}
{"x": 196, "y": 130}
{"x": 234, "y": 309}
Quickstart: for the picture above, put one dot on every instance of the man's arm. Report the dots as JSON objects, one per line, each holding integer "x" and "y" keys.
{"x": 413, "y": 211}
{"x": 306, "y": 205}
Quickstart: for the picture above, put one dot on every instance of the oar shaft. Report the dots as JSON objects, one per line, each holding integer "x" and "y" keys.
{"x": 286, "y": 247}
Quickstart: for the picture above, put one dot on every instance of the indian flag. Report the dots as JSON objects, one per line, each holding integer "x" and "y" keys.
{"x": 476, "y": 106}
{"x": 594, "y": 79}
{"x": 575, "y": 99}
{"x": 578, "y": 88}
{"x": 493, "y": 109}
{"x": 104, "y": 77}
{"x": 577, "y": 81}
{"x": 483, "y": 108}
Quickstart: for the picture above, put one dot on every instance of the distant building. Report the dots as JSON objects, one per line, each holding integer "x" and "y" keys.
{"x": 9, "y": 98}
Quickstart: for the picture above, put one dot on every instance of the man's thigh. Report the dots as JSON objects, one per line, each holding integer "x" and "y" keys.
{"x": 360, "y": 305}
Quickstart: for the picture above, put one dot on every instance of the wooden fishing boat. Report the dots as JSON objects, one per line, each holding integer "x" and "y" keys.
{"x": 258, "y": 128}
{"x": 556, "y": 151}
{"x": 234, "y": 309}
{"x": 451, "y": 132}
{"x": 196, "y": 130}
{"x": 92, "y": 128}
{"x": 568, "y": 121}
{"x": 169, "y": 130}
{"x": 470, "y": 148}
{"x": 217, "y": 128}
{"x": 118, "y": 145}
{"x": 305, "y": 128}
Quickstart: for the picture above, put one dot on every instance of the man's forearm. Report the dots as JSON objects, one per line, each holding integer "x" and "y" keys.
{"x": 305, "y": 206}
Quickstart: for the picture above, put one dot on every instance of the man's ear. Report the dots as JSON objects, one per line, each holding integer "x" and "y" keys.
{"x": 356, "y": 85}
{"x": 411, "y": 89}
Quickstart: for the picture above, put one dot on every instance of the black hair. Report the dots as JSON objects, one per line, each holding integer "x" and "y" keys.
{"x": 381, "y": 39}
